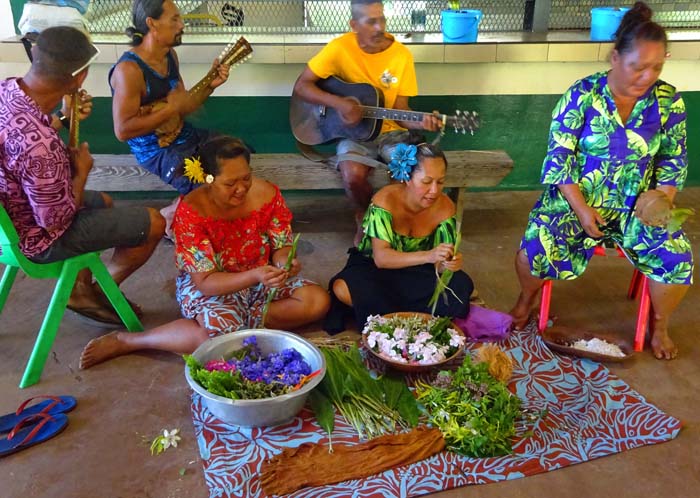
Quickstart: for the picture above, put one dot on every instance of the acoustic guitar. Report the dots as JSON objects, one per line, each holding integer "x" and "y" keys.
{"x": 314, "y": 124}
{"x": 232, "y": 55}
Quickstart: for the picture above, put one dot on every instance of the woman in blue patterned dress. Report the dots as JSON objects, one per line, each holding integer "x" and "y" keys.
{"x": 614, "y": 135}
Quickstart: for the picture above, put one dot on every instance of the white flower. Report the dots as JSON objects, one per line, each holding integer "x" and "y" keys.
{"x": 170, "y": 439}
{"x": 456, "y": 340}
{"x": 372, "y": 339}
{"x": 400, "y": 333}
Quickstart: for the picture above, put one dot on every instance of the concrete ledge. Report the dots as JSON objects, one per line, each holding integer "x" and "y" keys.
{"x": 557, "y": 46}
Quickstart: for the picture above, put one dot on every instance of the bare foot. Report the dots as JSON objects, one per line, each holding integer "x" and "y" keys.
{"x": 521, "y": 313}
{"x": 358, "y": 237}
{"x": 101, "y": 349}
{"x": 359, "y": 231}
{"x": 663, "y": 347}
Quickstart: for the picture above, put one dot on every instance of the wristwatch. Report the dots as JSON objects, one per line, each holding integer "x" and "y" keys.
{"x": 63, "y": 119}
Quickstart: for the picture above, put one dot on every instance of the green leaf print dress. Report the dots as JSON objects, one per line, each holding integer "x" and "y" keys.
{"x": 612, "y": 163}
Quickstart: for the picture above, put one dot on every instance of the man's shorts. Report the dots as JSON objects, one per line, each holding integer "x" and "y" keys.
{"x": 97, "y": 227}
{"x": 374, "y": 154}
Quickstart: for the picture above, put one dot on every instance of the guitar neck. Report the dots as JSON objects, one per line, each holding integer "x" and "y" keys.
{"x": 74, "y": 132}
{"x": 233, "y": 54}
{"x": 203, "y": 84}
{"x": 396, "y": 114}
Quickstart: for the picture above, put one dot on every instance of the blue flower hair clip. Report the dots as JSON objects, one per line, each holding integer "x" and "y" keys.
{"x": 403, "y": 160}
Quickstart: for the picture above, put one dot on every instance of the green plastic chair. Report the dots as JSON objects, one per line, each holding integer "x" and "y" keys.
{"x": 66, "y": 272}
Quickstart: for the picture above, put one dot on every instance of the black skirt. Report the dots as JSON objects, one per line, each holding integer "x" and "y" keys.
{"x": 377, "y": 291}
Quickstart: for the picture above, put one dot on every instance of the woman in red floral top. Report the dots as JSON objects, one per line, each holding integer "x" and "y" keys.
{"x": 232, "y": 238}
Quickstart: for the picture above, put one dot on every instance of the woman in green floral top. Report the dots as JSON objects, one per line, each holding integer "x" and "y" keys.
{"x": 409, "y": 232}
{"x": 614, "y": 135}
{"x": 232, "y": 238}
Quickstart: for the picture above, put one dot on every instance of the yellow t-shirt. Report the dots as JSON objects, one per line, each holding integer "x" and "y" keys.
{"x": 391, "y": 71}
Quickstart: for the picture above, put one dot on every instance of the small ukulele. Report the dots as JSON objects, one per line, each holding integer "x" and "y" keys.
{"x": 232, "y": 55}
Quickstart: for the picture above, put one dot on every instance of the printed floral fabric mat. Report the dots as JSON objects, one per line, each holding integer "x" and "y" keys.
{"x": 591, "y": 413}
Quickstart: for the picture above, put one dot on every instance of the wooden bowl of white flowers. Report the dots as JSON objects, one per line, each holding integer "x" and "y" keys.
{"x": 411, "y": 341}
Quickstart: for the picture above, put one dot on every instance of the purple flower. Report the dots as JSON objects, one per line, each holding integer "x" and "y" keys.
{"x": 287, "y": 367}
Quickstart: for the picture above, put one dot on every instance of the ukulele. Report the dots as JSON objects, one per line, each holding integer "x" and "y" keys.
{"x": 74, "y": 129}
{"x": 232, "y": 55}
{"x": 314, "y": 124}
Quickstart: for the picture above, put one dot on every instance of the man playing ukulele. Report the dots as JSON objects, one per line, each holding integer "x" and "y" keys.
{"x": 366, "y": 55}
{"x": 149, "y": 74}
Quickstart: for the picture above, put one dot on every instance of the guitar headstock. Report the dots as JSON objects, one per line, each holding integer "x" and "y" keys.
{"x": 464, "y": 121}
{"x": 236, "y": 53}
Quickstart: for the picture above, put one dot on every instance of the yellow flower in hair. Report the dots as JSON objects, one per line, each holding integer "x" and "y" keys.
{"x": 193, "y": 170}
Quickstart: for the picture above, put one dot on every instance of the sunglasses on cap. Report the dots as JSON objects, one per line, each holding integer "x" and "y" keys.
{"x": 90, "y": 61}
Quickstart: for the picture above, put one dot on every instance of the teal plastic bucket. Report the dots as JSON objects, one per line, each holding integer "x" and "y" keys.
{"x": 460, "y": 26}
{"x": 605, "y": 21}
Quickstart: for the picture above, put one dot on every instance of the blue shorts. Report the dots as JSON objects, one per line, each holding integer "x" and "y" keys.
{"x": 96, "y": 227}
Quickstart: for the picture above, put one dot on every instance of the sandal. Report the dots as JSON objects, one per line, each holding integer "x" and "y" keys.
{"x": 51, "y": 406}
{"x": 32, "y": 430}
{"x": 102, "y": 297}
{"x": 97, "y": 314}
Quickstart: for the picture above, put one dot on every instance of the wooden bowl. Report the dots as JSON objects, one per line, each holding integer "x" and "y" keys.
{"x": 560, "y": 339}
{"x": 412, "y": 367}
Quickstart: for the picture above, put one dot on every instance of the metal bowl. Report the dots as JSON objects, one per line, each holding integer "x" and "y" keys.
{"x": 258, "y": 412}
{"x": 413, "y": 367}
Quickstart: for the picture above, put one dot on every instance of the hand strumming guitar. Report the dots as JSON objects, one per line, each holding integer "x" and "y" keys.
{"x": 179, "y": 99}
{"x": 350, "y": 111}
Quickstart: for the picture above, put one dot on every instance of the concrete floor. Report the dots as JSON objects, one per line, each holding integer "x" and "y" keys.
{"x": 124, "y": 403}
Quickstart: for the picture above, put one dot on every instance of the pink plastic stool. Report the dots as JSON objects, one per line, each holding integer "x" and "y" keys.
{"x": 644, "y": 301}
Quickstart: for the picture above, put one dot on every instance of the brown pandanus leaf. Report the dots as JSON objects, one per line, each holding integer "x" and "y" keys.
{"x": 653, "y": 208}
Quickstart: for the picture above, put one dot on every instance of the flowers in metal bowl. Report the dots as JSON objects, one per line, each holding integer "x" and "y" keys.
{"x": 251, "y": 375}
{"x": 412, "y": 339}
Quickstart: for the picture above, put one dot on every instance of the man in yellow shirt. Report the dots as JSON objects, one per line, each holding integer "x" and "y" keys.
{"x": 366, "y": 55}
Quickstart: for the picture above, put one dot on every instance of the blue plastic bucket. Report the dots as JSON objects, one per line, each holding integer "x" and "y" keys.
{"x": 605, "y": 21}
{"x": 460, "y": 26}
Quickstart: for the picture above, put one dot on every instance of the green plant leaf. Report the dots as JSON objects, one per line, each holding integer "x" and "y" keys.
{"x": 408, "y": 407}
{"x": 323, "y": 410}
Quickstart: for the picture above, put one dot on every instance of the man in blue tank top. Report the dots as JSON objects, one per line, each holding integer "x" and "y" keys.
{"x": 150, "y": 101}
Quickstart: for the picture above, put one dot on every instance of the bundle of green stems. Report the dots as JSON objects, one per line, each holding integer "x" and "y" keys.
{"x": 443, "y": 279}
{"x": 273, "y": 292}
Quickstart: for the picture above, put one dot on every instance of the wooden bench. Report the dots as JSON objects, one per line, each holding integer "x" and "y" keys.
{"x": 467, "y": 168}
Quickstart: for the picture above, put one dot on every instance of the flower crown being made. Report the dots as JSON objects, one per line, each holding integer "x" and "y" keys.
{"x": 403, "y": 160}
{"x": 194, "y": 171}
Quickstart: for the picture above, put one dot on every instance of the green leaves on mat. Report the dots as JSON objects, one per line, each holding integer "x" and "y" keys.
{"x": 475, "y": 413}
{"x": 324, "y": 413}
{"x": 372, "y": 406}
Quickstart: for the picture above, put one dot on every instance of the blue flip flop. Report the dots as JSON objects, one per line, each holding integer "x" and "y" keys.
{"x": 52, "y": 405}
{"x": 32, "y": 430}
